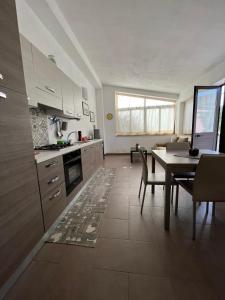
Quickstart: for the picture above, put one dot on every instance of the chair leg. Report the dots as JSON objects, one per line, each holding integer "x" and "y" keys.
{"x": 194, "y": 221}
{"x": 177, "y": 198}
{"x": 143, "y": 199}
{"x": 139, "y": 194}
{"x": 214, "y": 209}
{"x": 207, "y": 207}
{"x": 172, "y": 192}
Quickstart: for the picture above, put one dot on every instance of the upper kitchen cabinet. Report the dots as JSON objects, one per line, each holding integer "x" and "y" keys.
{"x": 11, "y": 68}
{"x": 47, "y": 80}
{"x": 28, "y": 68}
{"x": 78, "y": 100}
{"x": 67, "y": 96}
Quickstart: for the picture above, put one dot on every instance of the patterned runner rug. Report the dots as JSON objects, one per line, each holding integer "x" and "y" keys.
{"x": 80, "y": 225}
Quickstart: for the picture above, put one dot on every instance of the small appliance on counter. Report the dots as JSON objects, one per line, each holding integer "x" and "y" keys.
{"x": 79, "y": 136}
{"x": 96, "y": 134}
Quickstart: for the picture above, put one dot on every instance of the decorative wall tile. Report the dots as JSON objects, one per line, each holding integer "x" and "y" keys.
{"x": 39, "y": 127}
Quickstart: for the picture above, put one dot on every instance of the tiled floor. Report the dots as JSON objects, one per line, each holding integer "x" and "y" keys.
{"x": 134, "y": 258}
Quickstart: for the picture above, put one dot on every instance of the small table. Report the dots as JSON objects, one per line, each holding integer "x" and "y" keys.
{"x": 135, "y": 150}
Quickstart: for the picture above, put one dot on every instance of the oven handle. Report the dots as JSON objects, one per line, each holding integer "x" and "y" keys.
{"x": 72, "y": 160}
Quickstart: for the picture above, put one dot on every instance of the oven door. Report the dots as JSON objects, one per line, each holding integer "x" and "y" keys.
{"x": 73, "y": 173}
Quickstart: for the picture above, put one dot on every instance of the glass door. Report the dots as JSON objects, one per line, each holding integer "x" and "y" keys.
{"x": 206, "y": 117}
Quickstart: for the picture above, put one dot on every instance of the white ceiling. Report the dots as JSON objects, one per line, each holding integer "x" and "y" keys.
{"x": 149, "y": 44}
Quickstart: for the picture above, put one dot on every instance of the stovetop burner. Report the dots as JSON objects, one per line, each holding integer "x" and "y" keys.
{"x": 54, "y": 147}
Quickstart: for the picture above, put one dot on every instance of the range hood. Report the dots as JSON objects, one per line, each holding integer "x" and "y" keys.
{"x": 58, "y": 112}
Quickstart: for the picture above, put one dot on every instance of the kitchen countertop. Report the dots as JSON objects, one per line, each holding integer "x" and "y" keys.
{"x": 44, "y": 155}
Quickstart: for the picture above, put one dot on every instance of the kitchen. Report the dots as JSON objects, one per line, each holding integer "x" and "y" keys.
{"x": 111, "y": 170}
{"x": 40, "y": 106}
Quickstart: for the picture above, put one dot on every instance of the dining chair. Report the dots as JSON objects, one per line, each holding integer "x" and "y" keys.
{"x": 149, "y": 179}
{"x": 184, "y": 146}
{"x": 208, "y": 185}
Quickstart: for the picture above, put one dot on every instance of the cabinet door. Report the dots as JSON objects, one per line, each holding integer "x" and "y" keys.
{"x": 21, "y": 224}
{"x": 78, "y": 100}
{"x": 67, "y": 95}
{"x": 28, "y": 68}
{"x": 11, "y": 69}
{"x": 47, "y": 75}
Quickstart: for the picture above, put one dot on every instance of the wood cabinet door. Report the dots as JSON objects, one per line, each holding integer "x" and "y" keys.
{"x": 28, "y": 68}
{"x": 21, "y": 224}
{"x": 67, "y": 95}
{"x": 11, "y": 68}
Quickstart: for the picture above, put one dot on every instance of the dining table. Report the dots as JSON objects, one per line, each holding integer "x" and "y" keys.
{"x": 174, "y": 162}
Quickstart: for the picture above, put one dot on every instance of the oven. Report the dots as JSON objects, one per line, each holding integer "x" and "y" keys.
{"x": 73, "y": 170}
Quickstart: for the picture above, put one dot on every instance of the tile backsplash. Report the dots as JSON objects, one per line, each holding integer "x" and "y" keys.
{"x": 39, "y": 124}
{"x": 44, "y": 131}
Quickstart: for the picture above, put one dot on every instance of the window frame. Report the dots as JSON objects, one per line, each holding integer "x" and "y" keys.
{"x": 144, "y": 108}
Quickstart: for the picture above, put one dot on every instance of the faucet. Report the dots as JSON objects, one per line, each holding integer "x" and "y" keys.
{"x": 69, "y": 134}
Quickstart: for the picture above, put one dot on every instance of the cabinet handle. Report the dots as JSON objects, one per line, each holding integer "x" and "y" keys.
{"x": 50, "y": 89}
{"x": 1, "y": 76}
{"x": 3, "y": 95}
{"x": 68, "y": 112}
{"x": 55, "y": 195}
{"x": 50, "y": 164}
{"x": 56, "y": 178}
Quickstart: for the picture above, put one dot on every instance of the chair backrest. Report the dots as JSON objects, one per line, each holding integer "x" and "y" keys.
{"x": 209, "y": 183}
{"x": 184, "y": 146}
{"x": 144, "y": 167}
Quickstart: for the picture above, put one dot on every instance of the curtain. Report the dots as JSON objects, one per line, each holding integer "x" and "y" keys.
{"x": 152, "y": 121}
{"x": 167, "y": 120}
{"x": 141, "y": 115}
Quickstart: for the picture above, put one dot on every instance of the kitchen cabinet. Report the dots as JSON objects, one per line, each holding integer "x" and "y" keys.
{"x": 28, "y": 68}
{"x": 47, "y": 80}
{"x": 92, "y": 159}
{"x": 52, "y": 188}
{"x": 21, "y": 224}
{"x": 11, "y": 68}
{"x": 67, "y": 96}
{"x": 78, "y": 100}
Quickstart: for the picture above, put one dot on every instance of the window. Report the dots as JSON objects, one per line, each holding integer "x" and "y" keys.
{"x": 188, "y": 113}
{"x": 139, "y": 115}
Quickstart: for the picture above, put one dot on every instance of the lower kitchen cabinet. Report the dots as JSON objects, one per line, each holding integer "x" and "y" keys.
{"x": 52, "y": 181}
{"x": 92, "y": 159}
{"x": 52, "y": 189}
{"x": 53, "y": 204}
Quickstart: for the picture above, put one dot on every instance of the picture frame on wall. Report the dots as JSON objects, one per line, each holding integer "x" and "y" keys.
{"x": 92, "y": 116}
{"x": 85, "y": 109}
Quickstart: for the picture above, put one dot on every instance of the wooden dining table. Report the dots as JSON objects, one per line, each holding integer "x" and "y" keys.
{"x": 174, "y": 162}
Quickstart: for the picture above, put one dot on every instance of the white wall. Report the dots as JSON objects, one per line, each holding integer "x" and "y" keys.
{"x": 122, "y": 144}
{"x": 33, "y": 29}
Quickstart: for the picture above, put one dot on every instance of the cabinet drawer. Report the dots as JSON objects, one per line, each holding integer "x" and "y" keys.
{"x": 49, "y": 167}
{"x": 50, "y": 182}
{"x": 53, "y": 204}
{"x": 11, "y": 67}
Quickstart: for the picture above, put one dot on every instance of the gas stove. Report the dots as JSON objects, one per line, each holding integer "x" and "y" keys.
{"x": 52, "y": 147}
